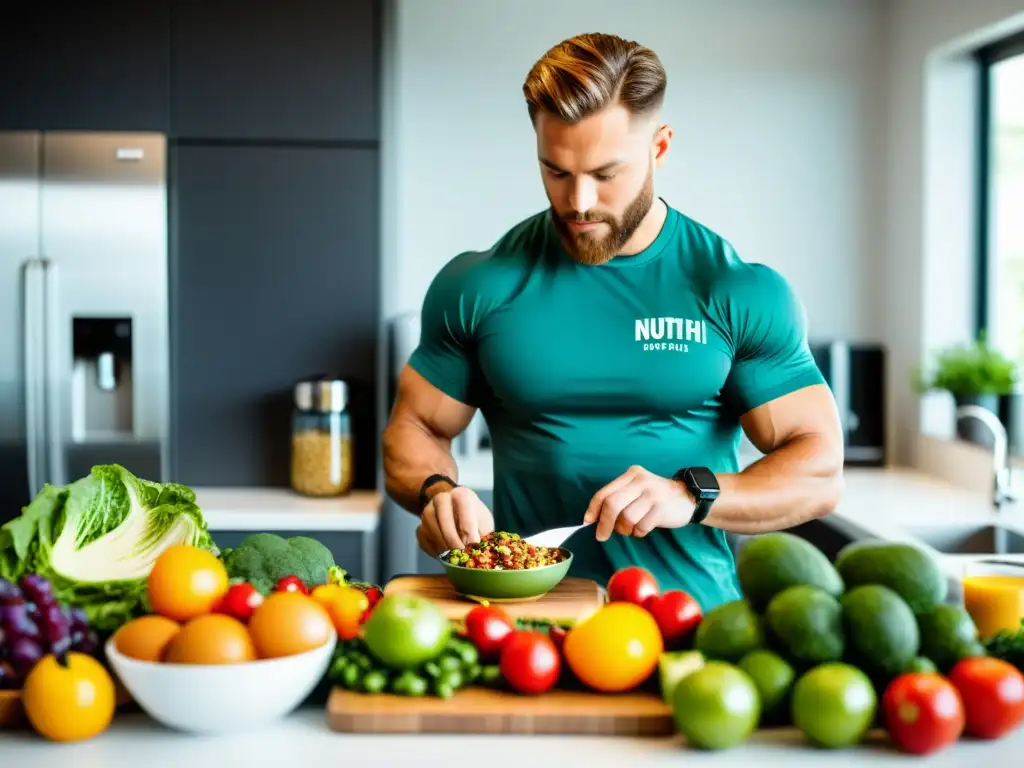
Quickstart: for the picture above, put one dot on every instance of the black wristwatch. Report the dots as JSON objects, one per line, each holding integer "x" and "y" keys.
{"x": 432, "y": 480}
{"x": 703, "y": 486}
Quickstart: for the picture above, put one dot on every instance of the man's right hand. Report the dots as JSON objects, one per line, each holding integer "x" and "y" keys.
{"x": 453, "y": 519}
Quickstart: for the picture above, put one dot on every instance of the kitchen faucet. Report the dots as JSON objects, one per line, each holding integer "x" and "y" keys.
{"x": 1001, "y": 490}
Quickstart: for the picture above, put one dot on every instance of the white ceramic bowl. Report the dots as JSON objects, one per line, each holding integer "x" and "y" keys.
{"x": 216, "y": 698}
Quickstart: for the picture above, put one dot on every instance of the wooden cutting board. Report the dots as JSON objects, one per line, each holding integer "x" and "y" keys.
{"x": 571, "y": 600}
{"x": 483, "y": 710}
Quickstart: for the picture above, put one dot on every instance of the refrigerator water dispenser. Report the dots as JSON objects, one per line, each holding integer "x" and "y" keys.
{"x": 101, "y": 379}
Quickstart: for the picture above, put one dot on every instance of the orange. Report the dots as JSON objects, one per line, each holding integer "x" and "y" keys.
{"x": 346, "y": 607}
{"x": 71, "y": 702}
{"x": 146, "y": 638}
{"x": 186, "y": 582}
{"x": 288, "y": 623}
{"x": 211, "y": 639}
{"x": 614, "y": 649}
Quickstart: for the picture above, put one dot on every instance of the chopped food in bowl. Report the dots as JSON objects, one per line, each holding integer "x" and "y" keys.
{"x": 502, "y": 551}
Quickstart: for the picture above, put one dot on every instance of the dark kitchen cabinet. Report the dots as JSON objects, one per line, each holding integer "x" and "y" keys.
{"x": 274, "y": 278}
{"x": 100, "y": 66}
{"x": 268, "y": 69}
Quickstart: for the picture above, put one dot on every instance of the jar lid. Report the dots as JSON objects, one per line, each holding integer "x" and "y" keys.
{"x": 322, "y": 395}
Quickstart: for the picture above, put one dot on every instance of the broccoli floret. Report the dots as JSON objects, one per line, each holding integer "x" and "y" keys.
{"x": 264, "y": 558}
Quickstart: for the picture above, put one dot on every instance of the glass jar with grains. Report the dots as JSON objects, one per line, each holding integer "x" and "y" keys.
{"x": 321, "y": 439}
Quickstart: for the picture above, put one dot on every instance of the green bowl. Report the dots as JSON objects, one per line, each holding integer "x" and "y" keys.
{"x": 525, "y": 584}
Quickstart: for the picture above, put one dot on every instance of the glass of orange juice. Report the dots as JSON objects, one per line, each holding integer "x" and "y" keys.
{"x": 994, "y": 596}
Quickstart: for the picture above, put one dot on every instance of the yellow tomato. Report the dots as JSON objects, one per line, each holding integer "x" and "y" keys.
{"x": 615, "y": 649}
{"x": 69, "y": 702}
{"x": 345, "y": 605}
{"x": 186, "y": 582}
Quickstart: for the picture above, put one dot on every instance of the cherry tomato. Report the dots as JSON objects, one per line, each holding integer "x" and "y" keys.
{"x": 374, "y": 595}
{"x": 240, "y": 601}
{"x": 557, "y": 635}
{"x": 530, "y": 663}
{"x": 923, "y": 713}
{"x": 488, "y": 628}
{"x": 993, "y": 694}
{"x": 291, "y": 584}
{"x": 677, "y": 614}
{"x": 631, "y": 585}
{"x": 346, "y": 607}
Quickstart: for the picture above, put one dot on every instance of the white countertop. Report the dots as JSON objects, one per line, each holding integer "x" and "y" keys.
{"x": 304, "y": 739}
{"x": 876, "y": 503}
{"x": 277, "y": 509}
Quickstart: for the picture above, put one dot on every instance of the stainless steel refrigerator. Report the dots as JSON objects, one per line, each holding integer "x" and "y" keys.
{"x": 83, "y": 308}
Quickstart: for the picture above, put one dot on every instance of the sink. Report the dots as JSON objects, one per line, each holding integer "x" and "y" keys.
{"x": 970, "y": 539}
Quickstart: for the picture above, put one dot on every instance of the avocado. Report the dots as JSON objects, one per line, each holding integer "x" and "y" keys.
{"x": 882, "y": 634}
{"x": 806, "y": 623}
{"x": 770, "y": 562}
{"x": 904, "y": 568}
{"x": 729, "y": 631}
{"x": 948, "y": 634}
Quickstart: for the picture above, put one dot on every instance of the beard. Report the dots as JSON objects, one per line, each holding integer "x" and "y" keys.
{"x": 592, "y": 248}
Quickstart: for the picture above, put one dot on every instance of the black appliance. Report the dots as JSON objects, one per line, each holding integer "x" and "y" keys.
{"x": 855, "y": 372}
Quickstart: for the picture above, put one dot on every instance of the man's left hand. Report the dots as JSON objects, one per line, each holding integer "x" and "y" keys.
{"x": 637, "y": 502}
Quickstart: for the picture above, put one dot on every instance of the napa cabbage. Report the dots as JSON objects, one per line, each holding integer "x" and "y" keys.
{"x": 97, "y": 538}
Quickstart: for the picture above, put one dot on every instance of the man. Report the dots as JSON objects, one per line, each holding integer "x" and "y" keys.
{"x": 616, "y": 348}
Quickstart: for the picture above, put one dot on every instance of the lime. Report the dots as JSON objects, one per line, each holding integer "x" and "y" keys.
{"x": 774, "y": 678}
{"x": 834, "y": 705}
{"x": 405, "y": 631}
{"x": 716, "y": 706}
{"x": 673, "y": 666}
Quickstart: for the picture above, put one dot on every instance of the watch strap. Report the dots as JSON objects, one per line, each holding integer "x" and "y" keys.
{"x": 702, "y": 499}
{"x": 431, "y": 481}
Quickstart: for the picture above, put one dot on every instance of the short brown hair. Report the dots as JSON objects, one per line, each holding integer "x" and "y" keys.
{"x": 586, "y": 73}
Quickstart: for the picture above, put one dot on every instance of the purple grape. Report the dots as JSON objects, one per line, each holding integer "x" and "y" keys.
{"x": 24, "y": 654}
{"x": 79, "y": 617}
{"x": 33, "y": 610}
{"x": 15, "y": 619}
{"x": 37, "y": 589}
{"x": 3, "y": 643}
{"x": 9, "y": 679}
{"x": 9, "y": 593}
{"x": 54, "y": 624}
{"x": 89, "y": 643}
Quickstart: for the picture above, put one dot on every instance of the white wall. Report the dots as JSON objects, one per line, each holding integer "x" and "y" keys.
{"x": 778, "y": 122}
{"x": 925, "y": 279}
{"x": 832, "y": 139}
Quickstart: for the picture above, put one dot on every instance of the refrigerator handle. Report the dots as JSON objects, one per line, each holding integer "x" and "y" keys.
{"x": 51, "y": 383}
{"x": 33, "y": 350}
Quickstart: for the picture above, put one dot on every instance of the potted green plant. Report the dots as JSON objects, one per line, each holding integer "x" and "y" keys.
{"x": 974, "y": 373}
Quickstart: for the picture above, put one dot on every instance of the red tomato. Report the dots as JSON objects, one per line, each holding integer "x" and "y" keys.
{"x": 290, "y": 584}
{"x": 677, "y": 615}
{"x": 557, "y": 635}
{"x": 631, "y": 585}
{"x": 923, "y": 713}
{"x": 240, "y": 601}
{"x": 374, "y": 595}
{"x": 488, "y": 628}
{"x": 530, "y": 662}
{"x": 993, "y": 694}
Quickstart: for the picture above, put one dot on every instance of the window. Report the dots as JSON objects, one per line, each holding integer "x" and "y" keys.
{"x": 1000, "y": 305}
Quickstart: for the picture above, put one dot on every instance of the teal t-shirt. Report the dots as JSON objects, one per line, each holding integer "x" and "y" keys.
{"x": 582, "y": 371}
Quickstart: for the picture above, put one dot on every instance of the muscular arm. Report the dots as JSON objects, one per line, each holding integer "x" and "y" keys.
{"x": 417, "y": 439}
{"x": 801, "y": 475}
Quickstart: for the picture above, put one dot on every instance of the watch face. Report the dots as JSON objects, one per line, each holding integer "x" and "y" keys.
{"x": 704, "y": 478}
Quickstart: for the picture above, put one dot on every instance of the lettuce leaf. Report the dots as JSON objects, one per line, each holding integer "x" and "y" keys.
{"x": 96, "y": 540}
